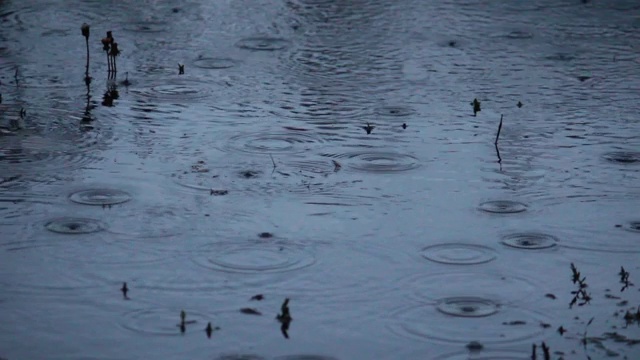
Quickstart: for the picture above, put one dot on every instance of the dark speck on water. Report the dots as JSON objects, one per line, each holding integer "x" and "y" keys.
{"x": 323, "y": 151}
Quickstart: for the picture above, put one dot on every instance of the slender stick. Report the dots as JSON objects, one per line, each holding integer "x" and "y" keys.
{"x": 274, "y": 163}
{"x": 499, "y": 128}
{"x": 87, "y": 71}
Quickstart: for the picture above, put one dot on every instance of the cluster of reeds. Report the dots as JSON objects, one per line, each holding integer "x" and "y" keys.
{"x": 581, "y": 297}
{"x": 546, "y": 352}
{"x": 110, "y": 47}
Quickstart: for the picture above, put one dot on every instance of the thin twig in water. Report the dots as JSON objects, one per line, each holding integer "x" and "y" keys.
{"x": 499, "y": 129}
{"x": 272, "y": 161}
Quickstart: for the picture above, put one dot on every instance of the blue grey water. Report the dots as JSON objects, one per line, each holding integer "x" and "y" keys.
{"x": 253, "y": 173}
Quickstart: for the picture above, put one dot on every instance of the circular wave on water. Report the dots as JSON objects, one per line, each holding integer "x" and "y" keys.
{"x": 62, "y": 278}
{"x": 178, "y": 90}
{"x": 164, "y": 321}
{"x": 74, "y": 225}
{"x": 100, "y": 197}
{"x": 530, "y": 240}
{"x": 240, "y": 357}
{"x": 254, "y": 257}
{"x": 517, "y": 35}
{"x": 45, "y": 77}
{"x": 305, "y": 357}
{"x": 623, "y": 157}
{"x": 39, "y": 17}
{"x": 467, "y": 306}
{"x": 52, "y": 140}
{"x": 150, "y": 222}
{"x": 399, "y": 111}
{"x": 214, "y": 63}
{"x": 598, "y": 222}
{"x": 263, "y": 43}
{"x": 273, "y": 143}
{"x": 502, "y": 207}
{"x": 377, "y": 161}
{"x": 146, "y": 26}
{"x": 110, "y": 252}
{"x": 504, "y": 288}
{"x": 487, "y": 355}
{"x": 458, "y": 254}
{"x": 34, "y": 150}
{"x": 463, "y": 320}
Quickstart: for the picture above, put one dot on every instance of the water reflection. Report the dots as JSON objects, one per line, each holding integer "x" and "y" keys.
{"x": 266, "y": 131}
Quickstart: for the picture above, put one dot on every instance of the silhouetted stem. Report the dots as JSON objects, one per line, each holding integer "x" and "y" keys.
{"x": 87, "y": 67}
{"x": 499, "y": 128}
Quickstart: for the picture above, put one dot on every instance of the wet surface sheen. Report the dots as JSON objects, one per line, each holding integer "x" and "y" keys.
{"x": 326, "y": 152}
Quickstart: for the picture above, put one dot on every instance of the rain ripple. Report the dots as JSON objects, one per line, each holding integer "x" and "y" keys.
{"x": 254, "y": 257}
{"x": 459, "y": 254}
{"x": 530, "y": 241}
{"x": 240, "y": 357}
{"x": 314, "y": 181}
{"x": 38, "y": 17}
{"x": 214, "y": 63}
{"x": 158, "y": 320}
{"x": 377, "y": 161}
{"x": 100, "y": 197}
{"x": 502, "y": 288}
{"x": 305, "y": 357}
{"x": 74, "y": 225}
{"x": 273, "y": 142}
{"x": 502, "y": 207}
{"x": 63, "y": 278}
{"x": 263, "y": 43}
{"x": 449, "y": 321}
{"x": 52, "y": 139}
{"x": 175, "y": 90}
{"x": 488, "y": 355}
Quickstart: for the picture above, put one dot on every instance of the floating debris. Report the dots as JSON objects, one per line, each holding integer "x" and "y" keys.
{"x": 562, "y": 330}
{"x": 219, "y": 192}
{"x": 285, "y": 318}
{"x": 125, "y": 290}
{"x": 250, "y": 311}
{"x": 369, "y": 128}
{"x": 476, "y": 106}
{"x": 336, "y": 166}
{"x": 474, "y": 346}
{"x": 258, "y": 297}
{"x": 210, "y": 329}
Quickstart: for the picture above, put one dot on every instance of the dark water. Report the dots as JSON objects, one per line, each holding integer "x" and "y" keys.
{"x": 405, "y": 243}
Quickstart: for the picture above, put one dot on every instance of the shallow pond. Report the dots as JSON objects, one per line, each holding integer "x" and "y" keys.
{"x": 326, "y": 152}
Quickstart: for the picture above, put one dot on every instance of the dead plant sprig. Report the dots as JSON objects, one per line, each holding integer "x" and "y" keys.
{"x": 580, "y": 296}
{"x": 624, "y": 279}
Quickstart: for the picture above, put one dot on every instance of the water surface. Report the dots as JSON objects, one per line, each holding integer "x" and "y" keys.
{"x": 326, "y": 152}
